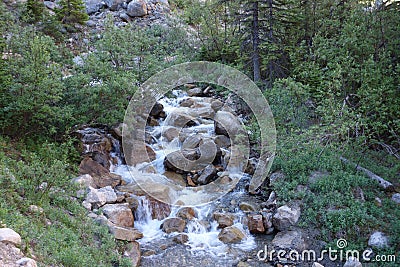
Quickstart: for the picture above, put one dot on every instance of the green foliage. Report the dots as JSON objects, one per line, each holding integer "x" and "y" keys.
{"x": 72, "y": 11}
{"x": 62, "y": 235}
{"x": 35, "y": 10}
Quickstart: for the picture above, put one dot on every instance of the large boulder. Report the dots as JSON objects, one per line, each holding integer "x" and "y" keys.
{"x": 203, "y": 112}
{"x": 182, "y": 160}
{"x": 285, "y": 217}
{"x": 255, "y": 224}
{"x": 226, "y": 123}
{"x": 101, "y": 176}
{"x": 119, "y": 214}
{"x": 195, "y": 91}
{"x": 231, "y": 234}
{"x": 171, "y": 225}
{"x": 8, "y": 235}
{"x": 137, "y": 8}
{"x": 180, "y": 119}
{"x": 170, "y": 133}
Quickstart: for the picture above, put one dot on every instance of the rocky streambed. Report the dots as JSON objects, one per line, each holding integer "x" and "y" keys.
{"x": 186, "y": 201}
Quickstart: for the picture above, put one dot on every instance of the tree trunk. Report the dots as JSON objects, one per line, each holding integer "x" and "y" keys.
{"x": 256, "y": 43}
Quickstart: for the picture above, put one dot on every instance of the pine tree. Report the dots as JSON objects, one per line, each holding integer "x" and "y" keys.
{"x": 72, "y": 11}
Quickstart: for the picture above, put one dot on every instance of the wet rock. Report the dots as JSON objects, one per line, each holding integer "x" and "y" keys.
{"x": 119, "y": 214}
{"x": 125, "y": 233}
{"x": 117, "y": 130}
{"x": 396, "y": 198}
{"x": 289, "y": 240}
{"x": 101, "y": 176}
{"x": 159, "y": 210}
{"x": 84, "y": 181}
{"x": 134, "y": 253}
{"x": 99, "y": 197}
{"x": 181, "y": 160}
{"x": 181, "y": 238}
{"x": 171, "y": 225}
{"x": 27, "y": 262}
{"x": 157, "y": 110}
{"x": 180, "y": 120}
{"x": 285, "y": 217}
{"x": 187, "y": 213}
{"x": 247, "y": 207}
{"x": 170, "y": 133}
{"x": 133, "y": 157}
{"x": 352, "y": 262}
{"x": 226, "y": 123}
{"x": 207, "y": 175}
{"x": 195, "y": 92}
{"x": 378, "y": 240}
{"x": 231, "y": 234}
{"x": 133, "y": 202}
{"x": 8, "y": 235}
{"x": 137, "y": 8}
{"x": 255, "y": 224}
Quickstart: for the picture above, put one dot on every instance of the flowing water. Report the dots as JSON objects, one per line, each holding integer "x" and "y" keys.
{"x": 202, "y": 237}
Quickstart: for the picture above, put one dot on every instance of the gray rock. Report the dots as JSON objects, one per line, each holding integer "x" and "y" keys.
{"x": 285, "y": 217}
{"x": 93, "y": 6}
{"x": 289, "y": 240}
{"x": 396, "y": 198}
{"x": 208, "y": 174}
{"x": 378, "y": 240}
{"x": 119, "y": 214}
{"x": 227, "y": 124}
{"x": 114, "y": 5}
{"x": 180, "y": 119}
{"x": 203, "y": 112}
{"x": 170, "y": 133}
{"x": 195, "y": 92}
{"x": 27, "y": 262}
{"x": 99, "y": 197}
{"x": 50, "y": 5}
{"x": 275, "y": 177}
{"x": 78, "y": 60}
{"x": 84, "y": 181}
{"x": 8, "y": 235}
{"x": 192, "y": 141}
{"x": 352, "y": 262}
{"x": 231, "y": 234}
{"x": 137, "y": 8}
{"x": 316, "y": 264}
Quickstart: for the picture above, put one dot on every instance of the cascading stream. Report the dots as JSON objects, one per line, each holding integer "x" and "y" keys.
{"x": 202, "y": 231}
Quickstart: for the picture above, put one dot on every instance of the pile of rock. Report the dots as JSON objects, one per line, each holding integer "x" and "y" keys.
{"x": 10, "y": 254}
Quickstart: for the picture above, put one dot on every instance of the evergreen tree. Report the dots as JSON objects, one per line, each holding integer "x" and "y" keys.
{"x": 72, "y": 11}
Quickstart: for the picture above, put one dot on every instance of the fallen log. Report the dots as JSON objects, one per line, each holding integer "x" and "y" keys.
{"x": 382, "y": 182}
